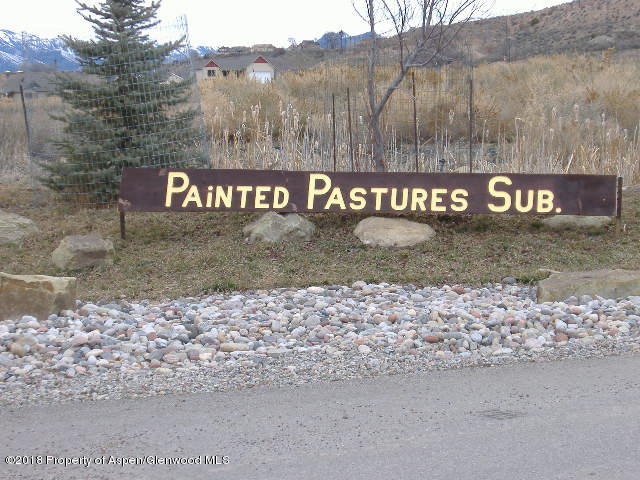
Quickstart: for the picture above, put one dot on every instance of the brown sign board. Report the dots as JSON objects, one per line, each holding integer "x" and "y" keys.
{"x": 163, "y": 190}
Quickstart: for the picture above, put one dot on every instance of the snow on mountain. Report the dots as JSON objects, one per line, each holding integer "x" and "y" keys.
{"x": 20, "y": 48}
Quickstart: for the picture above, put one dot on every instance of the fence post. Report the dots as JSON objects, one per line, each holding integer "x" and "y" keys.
{"x": 36, "y": 197}
{"x": 350, "y": 130}
{"x": 471, "y": 120}
{"x": 415, "y": 118}
{"x": 26, "y": 117}
{"x": 123, "y": 231}
{"x": 333, "y": 115}
{"x": 619, "y": 206}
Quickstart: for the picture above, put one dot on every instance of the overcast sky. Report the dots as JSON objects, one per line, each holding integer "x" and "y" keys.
{"x": 228, "y": 22}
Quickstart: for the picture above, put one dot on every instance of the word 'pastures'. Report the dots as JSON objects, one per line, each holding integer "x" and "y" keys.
{"x": 146, "y": 189}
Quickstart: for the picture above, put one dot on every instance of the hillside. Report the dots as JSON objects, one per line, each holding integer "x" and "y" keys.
{"x": 578, "y": 26}
{"x": 581, "y": 26}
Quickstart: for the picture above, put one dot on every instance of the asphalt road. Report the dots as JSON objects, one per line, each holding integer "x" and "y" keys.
{"x": 577, "y": 419}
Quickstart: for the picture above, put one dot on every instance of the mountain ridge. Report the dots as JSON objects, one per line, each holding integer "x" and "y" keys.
{"x": 18, "y": 49}
{"x": 577, "y": 26}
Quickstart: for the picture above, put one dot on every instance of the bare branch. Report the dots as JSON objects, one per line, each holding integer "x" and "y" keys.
{"x": 440, "y": 22}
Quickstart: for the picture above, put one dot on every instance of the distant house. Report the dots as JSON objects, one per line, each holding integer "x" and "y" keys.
{"x": 263, "y": 48}
{"x": 233, "y": 50}
{"x": 260, "y": 68}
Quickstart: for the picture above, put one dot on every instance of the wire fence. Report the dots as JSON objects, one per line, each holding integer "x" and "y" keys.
{"x": 78, "y": 129}
{"x": 314, "y": 118}
{"x": 135, "y": 107}
{"x": 318, "y": 118}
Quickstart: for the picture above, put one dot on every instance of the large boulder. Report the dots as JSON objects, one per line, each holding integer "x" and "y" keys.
{"x": 571, "y": 222}
{"x": 83, "y": 251}
{"x": 604, "y": 283}
{"x": 35, "y": 295}
{"x": 272, "y": 227}
{"x": 13, "y": 228}
{"x": 392, "y": 232}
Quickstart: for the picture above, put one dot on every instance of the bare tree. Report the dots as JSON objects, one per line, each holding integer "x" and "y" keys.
{"x": 423, "y": 29}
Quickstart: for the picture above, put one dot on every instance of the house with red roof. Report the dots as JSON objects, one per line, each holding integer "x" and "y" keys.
{"x": 254, "y": 67}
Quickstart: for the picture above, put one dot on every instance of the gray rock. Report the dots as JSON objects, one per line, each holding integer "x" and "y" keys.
{"x": 604, "y": 283}
{"x": 277, "y": 352}
{"x": 273, "y": 228}
{"x": 83, "y": 251}
{"x": 568, "y": 222}
{"x": 234, "y": 347}
{"x": 14, "y": 228}
{"x": 392, "y": 232}
{"x": 312, "y": 321}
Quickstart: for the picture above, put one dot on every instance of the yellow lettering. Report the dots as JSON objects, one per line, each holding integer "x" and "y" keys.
{"x": 545, "y": 201}
{"x": 418, "y": 198}
{"x": 358, "y": 202}
{"x": 436, "y": 198}
{"x": 243, "y": 194}
{"x": 458, "y": 197}
{"x": 335, "y": 199}
{"x": 209, "y": 196}
{"x": 498, "y": 194}
{"x": 530, "y": 198}
{"x": 394, "y": 199}
{"x": 314, "y": 191}
{"x": 280, "y": 197}
{"x": 261, "y": 197}
{"x": 378, "y": 192}
{"x": 173, "y": 188}
{"x": 192, "y": 196}
{"x": 224, "y": 197}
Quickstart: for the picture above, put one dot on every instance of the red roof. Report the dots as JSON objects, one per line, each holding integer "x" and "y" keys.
{"x": 260, "y": 60}
{"x": 212, "y": 64}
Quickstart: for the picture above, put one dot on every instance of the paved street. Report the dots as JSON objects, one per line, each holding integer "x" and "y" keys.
{"x": 575, "y": 419}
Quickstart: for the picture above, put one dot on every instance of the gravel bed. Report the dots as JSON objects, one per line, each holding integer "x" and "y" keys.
{"x": 293, "y": 336}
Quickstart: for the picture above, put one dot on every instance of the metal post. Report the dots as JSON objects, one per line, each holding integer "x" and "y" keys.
{"x": 415, "y": 118}
{"x": 37, "y": 194}
{"x": 471, "y": 119}
{"x": 333, "y": 114}
{"x": 350, "y": 131}
{"x": 26, "y": 117}
{"x": 619, "y": 206}
{"x": 123, "y": 232}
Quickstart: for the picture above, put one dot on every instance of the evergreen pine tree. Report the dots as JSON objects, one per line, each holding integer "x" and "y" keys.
{"x": 124, "y": 111}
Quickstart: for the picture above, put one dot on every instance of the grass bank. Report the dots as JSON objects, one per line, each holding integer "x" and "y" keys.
{"x": 173, "y": 255}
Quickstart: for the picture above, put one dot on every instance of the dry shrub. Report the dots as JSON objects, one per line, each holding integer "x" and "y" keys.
{"x": 574, "y": 114}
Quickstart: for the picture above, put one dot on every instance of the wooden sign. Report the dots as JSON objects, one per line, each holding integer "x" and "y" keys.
{"x": 162, "y": 190}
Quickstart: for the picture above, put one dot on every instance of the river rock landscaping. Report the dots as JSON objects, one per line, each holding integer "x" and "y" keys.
{"x": 291, "y": 335}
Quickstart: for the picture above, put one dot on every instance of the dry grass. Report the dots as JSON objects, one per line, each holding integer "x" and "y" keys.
{"x": 13, "y": 155}
{"x": 548, "y": 114}
{"x": 173, "y": 255}
{"x": 573, "y": 114}
{"x": 14, "y": 158}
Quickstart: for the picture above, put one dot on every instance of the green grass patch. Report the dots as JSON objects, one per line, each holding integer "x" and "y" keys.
{"x": 173, "y": 255}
